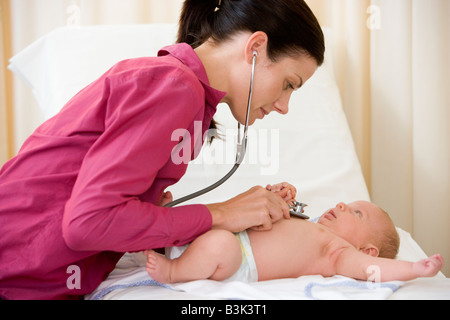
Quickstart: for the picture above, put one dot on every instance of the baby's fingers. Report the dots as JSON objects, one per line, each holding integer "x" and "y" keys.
{"x": 430, "y": 267}
{"x": 275, "y": 188}
{"x": 288, "y": 196}
{"x": 438, "y": 261}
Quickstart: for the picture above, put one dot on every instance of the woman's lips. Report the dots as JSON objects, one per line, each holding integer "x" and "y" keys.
{"x": 264, "y": 113}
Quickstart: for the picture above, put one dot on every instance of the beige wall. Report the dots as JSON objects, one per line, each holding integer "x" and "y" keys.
{"x": 6, "y": 103}
{"x": 351, "y": 55}
{"x": 392, "y": 67}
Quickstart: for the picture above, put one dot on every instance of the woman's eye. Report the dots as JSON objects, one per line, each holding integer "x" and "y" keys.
{"x": 290, "y": 86}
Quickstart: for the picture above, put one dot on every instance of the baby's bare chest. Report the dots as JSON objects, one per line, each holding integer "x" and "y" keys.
{"x": 294, "y": 246}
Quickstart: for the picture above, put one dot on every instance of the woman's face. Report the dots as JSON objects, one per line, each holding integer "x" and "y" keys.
{"x": 273, "y": 86}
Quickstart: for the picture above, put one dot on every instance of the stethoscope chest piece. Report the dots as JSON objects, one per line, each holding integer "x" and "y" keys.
{"x": 297, "y": 210}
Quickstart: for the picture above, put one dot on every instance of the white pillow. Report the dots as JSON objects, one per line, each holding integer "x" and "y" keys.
{"x": 67, "y": 59}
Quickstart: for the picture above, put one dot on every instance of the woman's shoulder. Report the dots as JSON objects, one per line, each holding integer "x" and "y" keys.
{"x": 149, "y": 69}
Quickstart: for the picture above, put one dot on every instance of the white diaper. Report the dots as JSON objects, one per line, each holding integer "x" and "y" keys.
{"x": 247, "y": 271}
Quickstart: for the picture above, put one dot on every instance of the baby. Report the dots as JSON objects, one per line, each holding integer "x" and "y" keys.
{"x": 348, "y": 240}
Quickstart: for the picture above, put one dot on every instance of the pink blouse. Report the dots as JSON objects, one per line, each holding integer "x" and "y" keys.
{"x": 86, "y": 185}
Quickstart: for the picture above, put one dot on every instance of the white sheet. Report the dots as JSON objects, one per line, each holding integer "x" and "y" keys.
{"x": 130, "y": 281}
{"x": 311, "y": 148}
{"x": 133, "y": 276}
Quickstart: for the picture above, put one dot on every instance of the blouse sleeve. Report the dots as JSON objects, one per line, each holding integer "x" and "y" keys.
{"x": 105, "y": 212}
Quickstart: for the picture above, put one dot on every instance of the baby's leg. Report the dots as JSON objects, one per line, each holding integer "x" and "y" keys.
{"x": 215, "y": 255}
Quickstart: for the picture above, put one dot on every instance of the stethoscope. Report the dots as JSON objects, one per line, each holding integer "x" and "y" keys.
{"x": 297, "y": 208}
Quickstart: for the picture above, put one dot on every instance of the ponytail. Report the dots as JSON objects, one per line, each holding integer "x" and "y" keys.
{"x": 195, "y": 22}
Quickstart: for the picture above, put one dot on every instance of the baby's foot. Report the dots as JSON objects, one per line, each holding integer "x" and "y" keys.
{"x": 158, "y": 266}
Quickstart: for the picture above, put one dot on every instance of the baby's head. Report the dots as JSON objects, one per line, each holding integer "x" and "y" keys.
{"x": 365, "y": 226}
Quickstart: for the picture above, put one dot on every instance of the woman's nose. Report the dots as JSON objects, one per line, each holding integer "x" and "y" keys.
{"x": 282, "y": 104}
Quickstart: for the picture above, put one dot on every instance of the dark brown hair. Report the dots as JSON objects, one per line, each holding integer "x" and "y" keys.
{"x": 387, "y": 240}
{"x": 290, "y": 25}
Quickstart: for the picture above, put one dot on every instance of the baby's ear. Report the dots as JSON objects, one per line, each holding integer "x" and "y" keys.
{"x": 370, "y": 250}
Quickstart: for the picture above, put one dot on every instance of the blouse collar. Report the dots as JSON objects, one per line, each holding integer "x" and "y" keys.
{"x": 187, "y": 55}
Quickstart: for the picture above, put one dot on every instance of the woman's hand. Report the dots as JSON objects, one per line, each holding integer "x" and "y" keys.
{"x": 256, "y": 209}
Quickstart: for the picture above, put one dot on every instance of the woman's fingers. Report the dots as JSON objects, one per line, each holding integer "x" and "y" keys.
{"x": 257, "y": 208}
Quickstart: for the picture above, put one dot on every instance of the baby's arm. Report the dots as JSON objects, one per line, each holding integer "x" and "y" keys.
{"x": 354, "y": 264}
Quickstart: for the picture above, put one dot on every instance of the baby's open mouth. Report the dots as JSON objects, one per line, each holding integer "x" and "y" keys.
{"x": 330, "y": 215}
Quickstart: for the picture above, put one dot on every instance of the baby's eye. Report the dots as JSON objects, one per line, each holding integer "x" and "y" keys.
{"x": 358, "y": 213}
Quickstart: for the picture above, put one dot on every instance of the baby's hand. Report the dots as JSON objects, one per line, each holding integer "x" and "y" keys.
{"x": 429, "y": 267}
{"x": 284, "y": 190}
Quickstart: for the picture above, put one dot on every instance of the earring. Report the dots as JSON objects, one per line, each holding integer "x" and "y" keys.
{"x": 219, "y": 5}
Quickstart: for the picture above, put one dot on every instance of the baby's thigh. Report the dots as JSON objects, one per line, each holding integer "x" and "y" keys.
{"x": 218, "y": 242}
{"x": 224, "y": 251}
{"x": 220, "y": 246}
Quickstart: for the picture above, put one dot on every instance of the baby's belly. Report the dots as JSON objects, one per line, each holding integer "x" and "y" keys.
{"x": 289, "y": 250}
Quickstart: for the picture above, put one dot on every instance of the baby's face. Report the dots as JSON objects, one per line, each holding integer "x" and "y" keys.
{"x": 355, "y": 222}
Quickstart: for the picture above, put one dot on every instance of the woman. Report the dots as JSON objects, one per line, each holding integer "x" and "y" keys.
{"x": 89, "y": 184}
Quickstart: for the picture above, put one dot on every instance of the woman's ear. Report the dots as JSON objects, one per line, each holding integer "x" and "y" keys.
{"x": 257, "y": 42}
